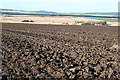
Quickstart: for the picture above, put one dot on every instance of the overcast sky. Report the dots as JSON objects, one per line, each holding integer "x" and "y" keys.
{"x": 64, "y": 6}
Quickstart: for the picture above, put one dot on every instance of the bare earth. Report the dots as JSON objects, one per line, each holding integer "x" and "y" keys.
{"x": 64, "y": 52}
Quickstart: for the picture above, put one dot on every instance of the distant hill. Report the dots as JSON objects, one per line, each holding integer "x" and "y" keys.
{"x": 11, "y": 10}
{"x": 50, "y": 13}
{"x": 43, "y": 11}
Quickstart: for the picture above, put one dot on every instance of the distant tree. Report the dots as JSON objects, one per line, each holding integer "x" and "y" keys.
{"x": 27, "y": 21}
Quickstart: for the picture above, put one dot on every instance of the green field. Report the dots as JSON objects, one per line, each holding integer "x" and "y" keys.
{"x": 100, "y": 14}
{"x": 105, "y": 19}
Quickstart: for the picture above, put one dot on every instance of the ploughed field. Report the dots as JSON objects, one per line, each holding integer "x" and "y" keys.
{"x": 52, "y": 51}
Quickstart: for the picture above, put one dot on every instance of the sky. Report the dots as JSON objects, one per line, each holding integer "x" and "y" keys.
{"x": 62, "y": 6}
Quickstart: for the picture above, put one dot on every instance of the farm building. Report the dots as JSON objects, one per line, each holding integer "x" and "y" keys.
{"x": 79, "y": 22}
{"x": 65, "y": 23}
{"x": 99, "y": 23}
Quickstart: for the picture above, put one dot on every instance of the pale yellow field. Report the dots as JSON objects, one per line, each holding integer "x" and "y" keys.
{"x": 47, "y": 20}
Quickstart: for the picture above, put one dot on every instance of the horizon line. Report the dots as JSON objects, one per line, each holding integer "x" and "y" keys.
{"x": 57, "y": 11}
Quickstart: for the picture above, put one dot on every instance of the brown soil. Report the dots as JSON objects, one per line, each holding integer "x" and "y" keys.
{"x": 52, "y": 51}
